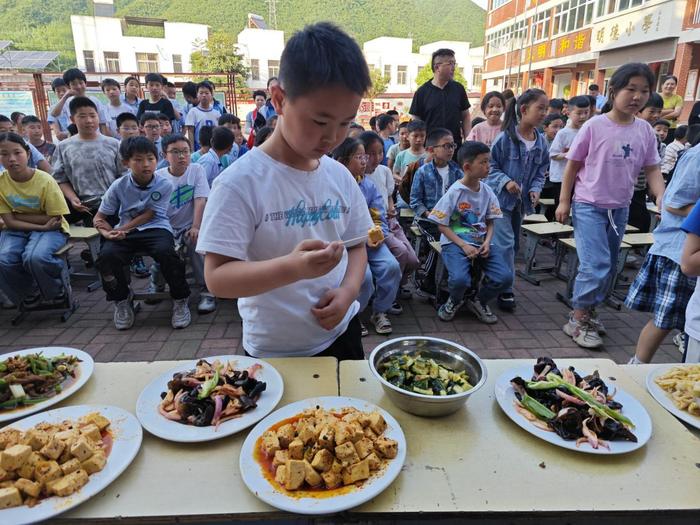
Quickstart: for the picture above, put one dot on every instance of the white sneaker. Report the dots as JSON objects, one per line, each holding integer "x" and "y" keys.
{"x": 482, "y": 311}
{"x": 381, "y": 323}
{"x": 207, "y": 303}
{"x": 181, "y": 313}
{"x": 597, "y": 323}
{"x": 124, "y": 313}
{"x": 396, "y": 309}
{"x": 583, "y": 333}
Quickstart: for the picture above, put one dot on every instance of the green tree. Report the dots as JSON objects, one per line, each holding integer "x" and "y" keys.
{"x": 426, "y": 74}
{"x": 218, "y": 55}
{"x": 379, "y": 84}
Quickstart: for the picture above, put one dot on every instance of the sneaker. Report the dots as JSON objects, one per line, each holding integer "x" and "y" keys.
{"x": 381, "y": 323}
{"x": 396, "y": 309}
{"x": 678, "y": 341}
{"x": 447, "y": 311}
{"x": 506, "y": 302}
{"x": 482, "y": 311}
{"x": 583, "y": 333}
{"x": 597, "y": 323}
{"x": 634, "y": 361}
{"x": 207, "y": 303}
{"x": 32, "y": 300}
{"x": 124, "y": 313}
{"x": 363, "y": 330}
{"x": 139, "y": 268}
{"x": 181, "y": 313}
{"x": 154, "y": 288}
{"x": 425, "y": 295}
{"x": 86, "y": 256}
{"x": 405, "y": 293}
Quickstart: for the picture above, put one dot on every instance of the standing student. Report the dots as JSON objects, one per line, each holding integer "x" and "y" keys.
{"x": 493, "y": 105}
{"x": 32, "y": 209}
{"x": 387, "y": 126}
{"x": 116, "y": 105}
{"x": 59, "y": 125}
{"x": 77, "y": 84}
{"x": 34, "y": 133}
{"x": 555, "y": 107}
{"x": 203, "y": 114}
{"x": 221, "y": 144}
{"x": 551, "y": 125}
{"x": 156, "y": 102}
{"x": 268, "y": 110}
{"x": 132, "y": 87}
{"x": 604, "y": 162}
{"x": 255, "y": 119}
{"x": 171, "y": 92}
{"x": 673, "y": 105}
{"x": 673, "y": 151}
{"x": 275, "y": 220}
{"x": 519, "y": 160}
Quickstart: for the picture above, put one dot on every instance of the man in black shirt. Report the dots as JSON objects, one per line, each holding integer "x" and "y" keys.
{"x": 442, "y": 102}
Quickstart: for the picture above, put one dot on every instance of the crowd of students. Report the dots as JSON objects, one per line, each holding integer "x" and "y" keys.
{"x": 279, "y": 219}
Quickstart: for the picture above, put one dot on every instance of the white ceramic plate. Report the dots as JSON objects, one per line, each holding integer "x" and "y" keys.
{"x": 158, "y": 425}
{"x": 664, "y": 399}
{"x": 85, "y": 369}
{"x": 631, "y": 408}
{"x": 127, "y": 435}
{"x": 255, "y": 480}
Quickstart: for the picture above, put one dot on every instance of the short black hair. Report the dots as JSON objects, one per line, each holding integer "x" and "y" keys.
{"x": 72, "y": 129}
{"x": 403, "y": 124}
{"x": 148, "y": 115}
{"x": 189, "y": 89}
{"x": 229, "y": 118}
{"x": 655, "y": 101}
{"x": 169, "y": 84}
{"x": 470, "y": 150}
{"x": 368, "y": 137}
{"x": 16, "y": 138}
{"x": 442, "y": 52}
{"x": 436, "y": 135}
{"x": 204, "y": 137}
{"x": 593, "y": 87}
{"x": 322, "y": 55}
{"x": 693, "y": 134}
{"x": 109, "y": 82}
{"x": 373, "y": 122}
{"x": 681, "y": 132}
{"x": 271, "y": 79}
{"x": 205, "y": 84}
{"x": 57, "y": 83}
{"x": 16, "y": 116}
{"x": 163, "y": 117}
{"x": 477, "y": 120}
{"x": 355, "y": 125}
{"x": 171, "y": 139}
{"x": 487, "y": 98}
{"x": 416, "y": 125}
{"x": 30, "y": 119}
{"x": 592, "y": 101}
{"x": 384, "y": 121}
{"x": 222, "y": 138}
{"x": 580, "y": 101}
{"x": 73, "y": 74}
{"x": 551, "y": 118}
{"x": 660, "y": 122}
{"x": 259, "y": 93}
{"x": 155, "y": 77}
{"x": 556, "y": 103}
{"x": 262, "y": 135}
{"x": 123, "y": 117}
{"x": 135, "y": 145}
{"x": 80, "y": 102}
{"x": 5, "y": 118}
{"x": 129, "y": 79}
{"x": 393, "y": 112}
{"x": 345, "y": 149}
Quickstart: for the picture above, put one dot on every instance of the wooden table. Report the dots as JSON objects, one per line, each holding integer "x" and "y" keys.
{"x": 479, "y": 464}
{"x": 176, "y": 480}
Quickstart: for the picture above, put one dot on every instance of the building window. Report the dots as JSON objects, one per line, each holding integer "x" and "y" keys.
{"x": 402, "y": 75}
{"x": 606, "y": 7}
{"x": 498, "y": 3}
{"x": 507, "y": 39}
{"x": 572, "y": 15}
{"x": 89, "y": 57}
{"x": 540, "y": 26}
{"x": 273, "y": 68}
{"x": 476, "y": 80}
{"x": 111, "y": 61}
{"x": 387, "y": 72}
{"x": 147, "y": 62}
{"x": 177, "y": 63}
{"x": 254, "y": 69}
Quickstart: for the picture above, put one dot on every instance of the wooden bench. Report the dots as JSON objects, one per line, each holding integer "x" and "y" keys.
{"x": 534, "y": 233}
{"x": 406, "y": 213}
{"x": 546, "y": 204}
{"x": 91, "y": 237}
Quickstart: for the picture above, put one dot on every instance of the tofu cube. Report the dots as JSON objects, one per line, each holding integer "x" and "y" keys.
{"x": 53, "y": 449}
{"x": 347, "y": 454}
{"x": 47, "y": 471}
{"x": 337, "y": 466}
{"x": 306, "y": 432}
{"x": 98, "y": 419}
{"x": 67, "y": 435}
{"x": 9, "y": 437}
{"x": 344, "y": 432}
{"x": 92, "y": 432}
{"x": 386, "y": 447}
{"x": 358, "y": 432}
{"x": 29, "y": 488}
{"x": 4, "y": 474}
{"x": 323, "y": 460}
{"x": 374, "y": 461}
{"x": 370, "y": 434}
{"x": 281, "y": 474}
{"x": 296, "y": 449}
{"x": 332, "y": 479}
{"x": 82, "y": 449}
{"x": 311, "y": 476}
{"x": 294, "y": 475}
{"x": 94, "y": 463}
{"x": 69, "y": 466}
{"x": 356, "y": 472}
{"x": 285, "y": 435}
{"x": 377, "y": 423}
{"x": 10, "y": 497}
{"x": 14, "y": 457}
{"x": 364, "y": 447}
{"x": 270, "y": 443}
{"x": 281, "y": 457}
{"x": 36, "y": 439}
{"x": 364, "y": 419}
{"x": 69, "y": 484}
{"x": 326, "y": 438}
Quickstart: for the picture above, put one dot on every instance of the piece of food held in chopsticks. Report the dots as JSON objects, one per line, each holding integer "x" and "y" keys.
{"x": 375, "y": 235}
{"x": 211, "y": 394}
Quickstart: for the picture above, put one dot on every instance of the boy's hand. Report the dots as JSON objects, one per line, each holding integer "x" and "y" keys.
{"x": 513, "y": 187}
{"x": 78, "y": 205}
{"x": 485, "y": 250}
{"x": 114, "y": 235}
{"x": 54, "y": 223}
{"x": 562, "y": 213}
{"x": 314, "y": 258}
{"x": 470, "y": 251}
{"x": 534, "y": 198}
{"x": 332, "y": 307}
{"x": 193, "y": 234}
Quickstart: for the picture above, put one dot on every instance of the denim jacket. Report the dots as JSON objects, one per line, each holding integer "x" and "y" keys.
{"x": 512, "y": 162}
{"x": 427, "y": 186}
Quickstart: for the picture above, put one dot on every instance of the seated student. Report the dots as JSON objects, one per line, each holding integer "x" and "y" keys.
{"x": 116, "y": 105}
{"x": 128, "y": 125}
{"x": 156, "y": 102}
{"x": 203, "y": 114}
{"x": 36, "y": 159}
{"x": 190, "y": 192}
{"x": 34, "y": 132}
{"x": 166, "y": 127}
{"x": 415, "y": 151}
{"x": 150, "y": 128}
{"x": 221, "y": 143}
{"x": 86, "y": 164}
{"x": 77, "y": 84}
{"x": 262, "y": 135}
{"x": 661, "y": 128}
{"x": 132, "y": 87}
{"x": 387, "y": 127}
{"x": 384, "y": 267}
{"x": 465, "y": 215}
{"x": 204, "y": 142}
{"x": 673, "y": 151}
{"x": 551, "y": 125}
{"x": 232, "y": 122}
{"x": 32, "y": 209}
{"x": 401, "y": 145}
{"x": 140, "y": 199}
{"x": 59, "y": 125}
{"x": 296, "y": 283}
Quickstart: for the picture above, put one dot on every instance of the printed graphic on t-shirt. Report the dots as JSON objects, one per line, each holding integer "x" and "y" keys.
{"x": 302, "y": 215}
{"x": 621, "y": 152}
{"x": 182, "y": 195}
{"x": 465, "y": 223}
{"x": 24, "y": 201}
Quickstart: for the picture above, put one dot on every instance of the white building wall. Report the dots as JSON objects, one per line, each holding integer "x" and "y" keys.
{"x": 263, "y": 45}
{"x": 100, "y": 34}
{"x": 394, "y": 52}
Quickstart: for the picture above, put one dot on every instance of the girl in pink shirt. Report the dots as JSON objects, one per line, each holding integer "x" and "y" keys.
{"x": 493, "y": 105}
{"x": 603, "y": 163}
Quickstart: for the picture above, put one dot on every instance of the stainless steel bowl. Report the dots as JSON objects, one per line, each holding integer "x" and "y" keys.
{"x": 445, "y": 352}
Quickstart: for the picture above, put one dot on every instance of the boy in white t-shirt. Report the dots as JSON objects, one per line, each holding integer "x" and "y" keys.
{"x": 276, "y": 219}
{"x": 116, "y": 105}
{"x": 204, "y": 114}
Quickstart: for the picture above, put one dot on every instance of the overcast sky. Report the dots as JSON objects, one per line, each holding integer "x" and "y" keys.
{"x": 481, "y": 3}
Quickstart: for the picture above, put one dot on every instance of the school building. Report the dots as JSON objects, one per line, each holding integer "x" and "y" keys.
{"x": 562, "y": 46}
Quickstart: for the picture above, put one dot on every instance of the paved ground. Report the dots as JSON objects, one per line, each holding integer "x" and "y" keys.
{"x": 533, "y": 330}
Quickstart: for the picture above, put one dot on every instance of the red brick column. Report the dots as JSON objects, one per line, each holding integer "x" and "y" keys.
{"x": 547, "y": 81}
{"x": 684, "y": 56}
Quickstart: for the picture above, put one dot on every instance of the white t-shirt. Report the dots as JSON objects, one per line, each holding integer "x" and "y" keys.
{"x": 692, "y": 314}
{"x": 198, "y": 117}
{"x": 384, "y": 181}
{"x": 260, "y": 209}
{"x": 561, "y": 144}
{"x": 101, "y": 110}
{"x": 444, "y": 172}
{"x": 113, "y": 112}
{"x": 529, "y": 144}
{"x": 189, "y": 186}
